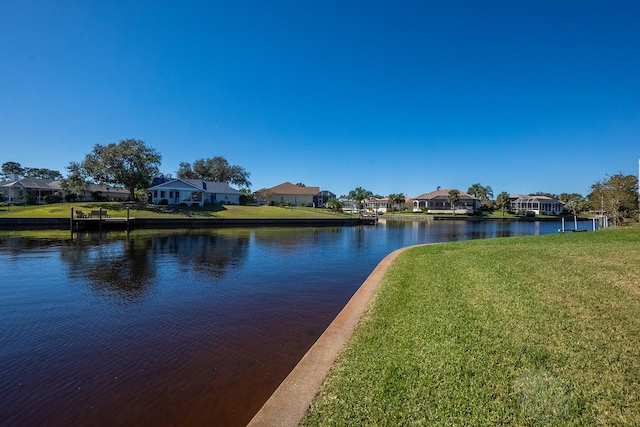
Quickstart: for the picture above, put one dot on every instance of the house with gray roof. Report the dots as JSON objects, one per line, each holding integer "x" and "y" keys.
{"x": 192, "y": 192}
{"x": 15, "y": 191}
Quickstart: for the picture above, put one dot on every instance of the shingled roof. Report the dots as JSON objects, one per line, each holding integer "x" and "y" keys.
{"x": 289, "y": 188}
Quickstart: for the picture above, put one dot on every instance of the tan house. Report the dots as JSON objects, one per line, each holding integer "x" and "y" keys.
{"x": 287, "y": 194}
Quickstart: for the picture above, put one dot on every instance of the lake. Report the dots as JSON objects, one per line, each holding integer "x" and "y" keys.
{"x": 181, "y": 327}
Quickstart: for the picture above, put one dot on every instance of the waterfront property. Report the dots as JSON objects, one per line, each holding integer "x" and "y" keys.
{"x": 288, "y": 194}
{"x": 436, "y": 202}
{"x": 541, "y": 205}
{"x": 377, "y": 204}
{"x": 15, "y": 191}
{"x": 320, "y": 199}
{"x": 193, "y": 192}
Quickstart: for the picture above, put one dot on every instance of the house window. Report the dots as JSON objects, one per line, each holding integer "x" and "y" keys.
{"x": 171, "y": 194}
{"x": 155, "y": 194}
{"x": 162, "y": 194}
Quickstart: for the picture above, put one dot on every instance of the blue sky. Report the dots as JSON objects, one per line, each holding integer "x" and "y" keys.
{"x": 522, "y": 96}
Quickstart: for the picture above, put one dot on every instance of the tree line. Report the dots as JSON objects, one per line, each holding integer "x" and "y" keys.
{"x": 616, "y": 196}
{"x": 133, "y": 165}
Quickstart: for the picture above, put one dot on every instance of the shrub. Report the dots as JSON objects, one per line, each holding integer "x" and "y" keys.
{"x": 53, "y": 198}
{"x": 164, "y": 202}
{"x": 31, "y": 197}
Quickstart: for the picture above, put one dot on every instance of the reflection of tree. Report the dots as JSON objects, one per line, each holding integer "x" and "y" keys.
{"x": 211, "y": 253}
{"x": 18, "y": 243}
{"x": 119, "y": 268}
{"x": 128, "y": 269}
{"x": 286, "y": 240}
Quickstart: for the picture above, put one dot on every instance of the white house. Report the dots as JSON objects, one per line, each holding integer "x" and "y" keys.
{"x": 374, "y": 204}
{"x": 539, "y": 204}
{"x": 193, "y": 192}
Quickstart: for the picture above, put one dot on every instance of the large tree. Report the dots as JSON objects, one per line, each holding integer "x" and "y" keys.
{"x": 615, "y": 196}
{"x": 574, "y": 202}
{"x": 42, "y": 173}
{"x": 9, "y": 168}
{"x": 130, "y": 163}
{"x": 215, "y": 169}
{"x": 76, "y": 181}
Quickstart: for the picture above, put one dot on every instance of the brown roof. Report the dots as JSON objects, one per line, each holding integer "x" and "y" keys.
{"x": 289, "y": 188}
{"x": 442, "y": 193}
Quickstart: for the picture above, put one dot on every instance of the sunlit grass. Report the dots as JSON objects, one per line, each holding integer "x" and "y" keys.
{"x": 518, "y": 331}
{"x": 117, "y": 210}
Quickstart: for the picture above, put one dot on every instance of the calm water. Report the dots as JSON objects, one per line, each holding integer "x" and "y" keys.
{"x": 180, "y": 327}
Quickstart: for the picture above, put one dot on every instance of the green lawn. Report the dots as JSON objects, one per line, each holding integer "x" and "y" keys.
{"x": 516, "y": 331}
{"x": 63, "y": 210}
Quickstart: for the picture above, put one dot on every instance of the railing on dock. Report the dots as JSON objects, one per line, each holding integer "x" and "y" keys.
{"x": 95, "y": 220}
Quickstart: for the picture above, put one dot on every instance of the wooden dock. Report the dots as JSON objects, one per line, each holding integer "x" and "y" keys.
{"x": 368, "y": 220}
{"x": 98, "y": 220}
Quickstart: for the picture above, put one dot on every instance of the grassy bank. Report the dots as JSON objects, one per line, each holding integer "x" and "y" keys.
{"x": 517, "y": 331}
{"x": 115, "y": 210}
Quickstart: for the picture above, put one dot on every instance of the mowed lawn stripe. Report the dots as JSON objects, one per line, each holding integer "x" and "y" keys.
{"x": 516, "y": 331}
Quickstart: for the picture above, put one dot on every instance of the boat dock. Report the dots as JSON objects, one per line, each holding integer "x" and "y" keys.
{"x": 368, "y": 220}
{"x": 97, "y": 220}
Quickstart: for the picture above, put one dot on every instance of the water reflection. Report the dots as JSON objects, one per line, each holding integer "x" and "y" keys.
{"x": 127, "y": 270}
{"x": 16, "y": 243}
{"x": 291, "y": 240}
{"x": 123, "y": 270}
{"x": 211, "y": 253}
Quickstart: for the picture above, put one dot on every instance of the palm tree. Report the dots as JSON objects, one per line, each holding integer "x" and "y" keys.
{"x": 502, "y": 201}
{"x": 488, "y": 192}
{"x": 477, "y": 191}
{"x": 480, "y": 192}
{"x": 396, "y": 198}
{"x": 452, "y": 198}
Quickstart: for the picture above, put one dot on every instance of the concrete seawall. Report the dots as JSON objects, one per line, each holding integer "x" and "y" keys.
{"x": 35, "y": 224}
